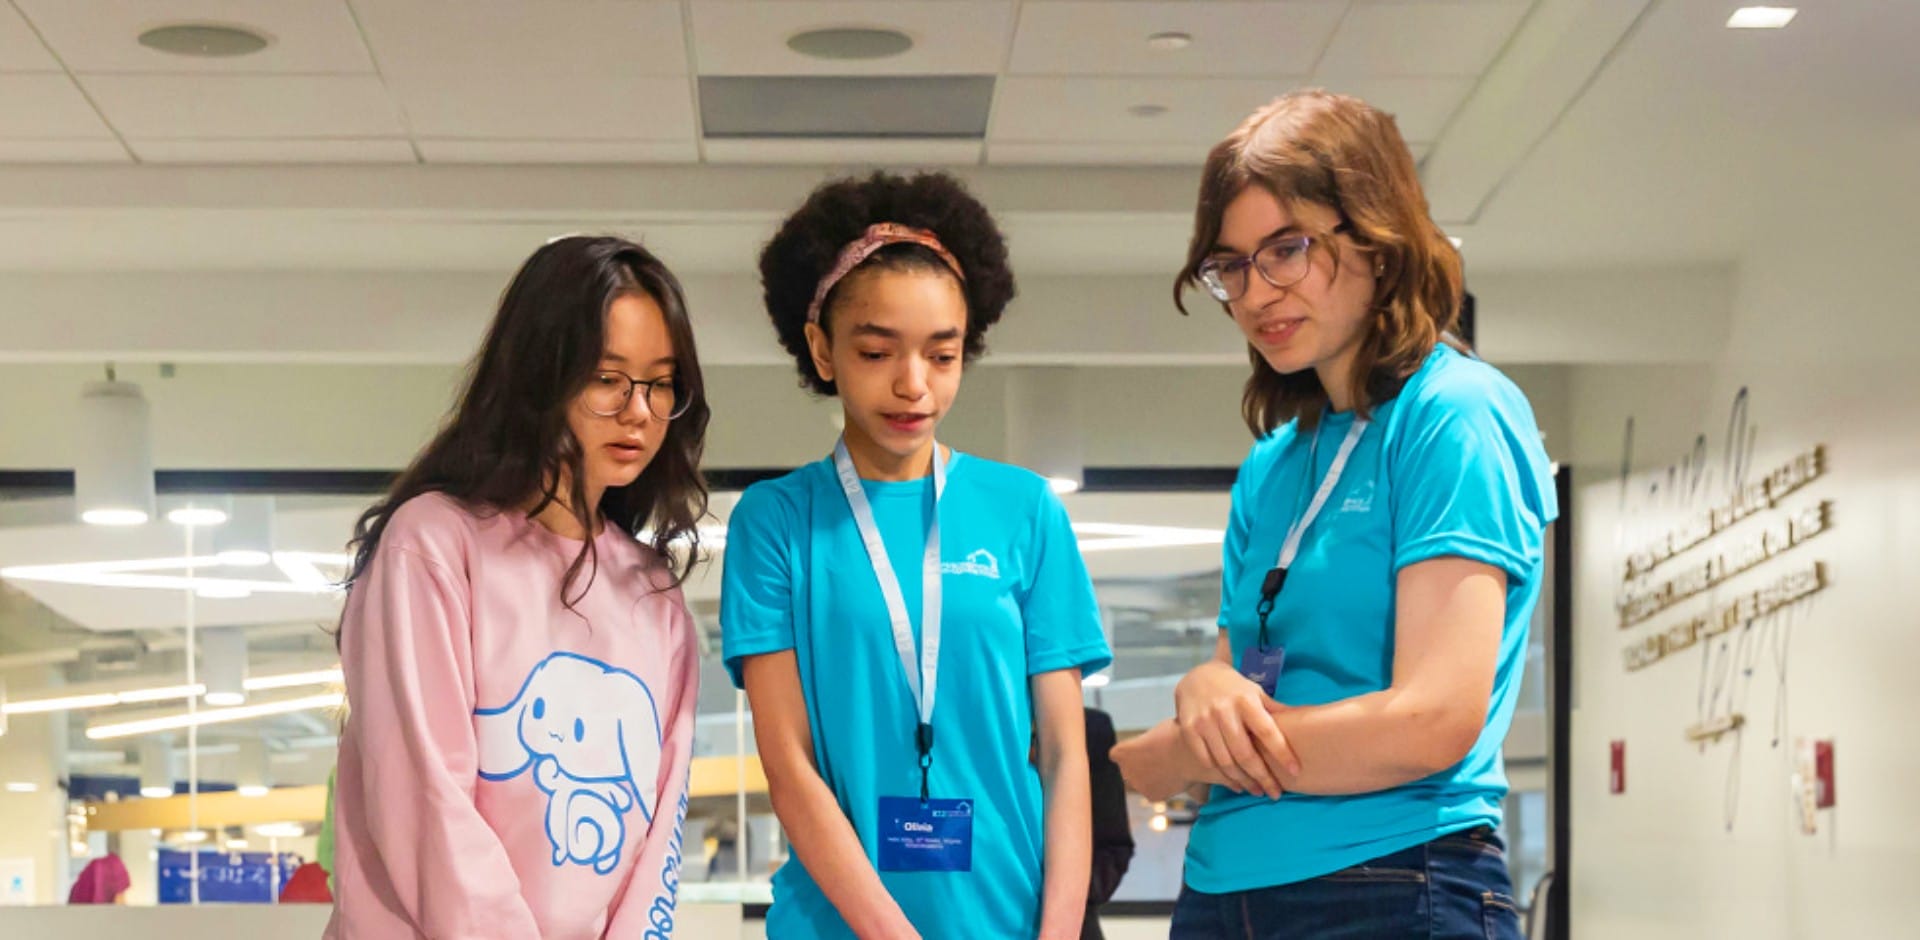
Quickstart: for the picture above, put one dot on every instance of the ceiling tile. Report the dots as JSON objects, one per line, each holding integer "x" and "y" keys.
{"x": 1097, "y": 154}
{"x": 443, "y": 150}
{"x": 273, "y": 151}
{"x": 20, "y": 49}
{"x": 1420, "y": 106}
{"x": 951, "y": 37}
{"x": 1430, "y": 37}
{"x": 245, "y": 106}
{"x": 62, "y": 151}
{"x": 103, "y": 35}
{"x": 1104, "y": 38}
{"x": 1079, "y": 110}
{"x": 759, "y": 106}
{"x": 521, "y": 106}
{"x": 845, "y": 152}
{"x": 46, "y": 105}
{"x": 587, "y": 39}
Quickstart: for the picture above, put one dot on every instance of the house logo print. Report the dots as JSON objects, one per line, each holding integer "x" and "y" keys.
{"x": 1361, "y": 501}
{"x": 981, "y": 563}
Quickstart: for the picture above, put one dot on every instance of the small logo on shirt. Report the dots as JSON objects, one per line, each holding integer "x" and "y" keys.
{"x": 1360, "y": 501}
{"x": 981, "y": 563}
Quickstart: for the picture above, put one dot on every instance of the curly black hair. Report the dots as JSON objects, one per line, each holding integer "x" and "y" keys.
{"x": 838, "y": 212}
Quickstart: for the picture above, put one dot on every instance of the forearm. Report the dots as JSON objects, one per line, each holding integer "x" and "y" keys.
{"x": 1166, "y": 752}
{"x": 1372, "y": 742}
{"x": 1069, "y": 841}
{"x": 823, "y": 839}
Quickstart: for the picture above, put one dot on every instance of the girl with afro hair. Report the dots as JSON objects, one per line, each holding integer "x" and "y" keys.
{"x": 910, "y": 623}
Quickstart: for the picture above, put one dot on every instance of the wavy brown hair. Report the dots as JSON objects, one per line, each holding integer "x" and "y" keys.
{"x": 1342, "y": 153}
{"x": 506, "y": 444}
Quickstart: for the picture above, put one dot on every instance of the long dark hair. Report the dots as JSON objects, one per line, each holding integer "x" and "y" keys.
{"x": 507, "y": 440}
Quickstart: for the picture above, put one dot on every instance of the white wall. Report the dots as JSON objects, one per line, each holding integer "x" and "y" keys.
{"x": 1822, "y": 332}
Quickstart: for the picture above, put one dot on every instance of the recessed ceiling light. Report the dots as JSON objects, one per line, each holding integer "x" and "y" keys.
{"x": 1169, "y": 41}
{"x": 203, "y": 40}
{"x": 850, "y": 44}
{"x": 197, "y": 516}
{"x": 1761, "y": 17}
{"x": 1147, "y": 110}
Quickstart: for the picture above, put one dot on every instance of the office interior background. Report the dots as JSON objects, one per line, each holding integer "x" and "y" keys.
{"x": 279, "y": 227}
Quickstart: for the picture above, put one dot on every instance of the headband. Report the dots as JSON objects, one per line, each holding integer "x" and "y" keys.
{"x": 877, "y": 236}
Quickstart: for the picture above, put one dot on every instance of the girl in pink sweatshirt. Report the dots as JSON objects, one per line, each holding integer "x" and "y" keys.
{"x": 520, "y": 666}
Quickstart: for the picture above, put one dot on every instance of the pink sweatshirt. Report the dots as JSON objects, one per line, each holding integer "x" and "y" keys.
{"x": 510, "y": 768}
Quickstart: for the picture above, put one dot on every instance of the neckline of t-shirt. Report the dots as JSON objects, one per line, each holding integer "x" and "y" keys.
{"x": 566, "y": 544}
{"x": 897, "y": 489}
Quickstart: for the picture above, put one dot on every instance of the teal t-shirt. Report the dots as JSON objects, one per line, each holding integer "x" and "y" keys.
{"x": 1451, "y": 466}
{"x": 1015, "y": 602}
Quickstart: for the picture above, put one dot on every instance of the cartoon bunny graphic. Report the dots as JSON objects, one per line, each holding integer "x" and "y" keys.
{"x": 591, "y": 734}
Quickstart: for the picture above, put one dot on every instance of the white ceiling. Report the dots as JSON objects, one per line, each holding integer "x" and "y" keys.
{"x": 435, "y": 81}
{"x": 1595, "y": 135}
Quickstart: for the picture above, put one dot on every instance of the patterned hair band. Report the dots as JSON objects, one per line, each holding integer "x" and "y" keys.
{"x": 877, "y": 236}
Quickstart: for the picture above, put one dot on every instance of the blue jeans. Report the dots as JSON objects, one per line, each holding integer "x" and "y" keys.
{"x": 1453, "y": 888}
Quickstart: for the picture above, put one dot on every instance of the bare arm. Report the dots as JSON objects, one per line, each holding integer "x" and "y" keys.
{"x": 815, "y": 825}
{"x": 1448, "y": 617}
{"x": 1065, "y": 781}
{"x": 1160, "y": 763}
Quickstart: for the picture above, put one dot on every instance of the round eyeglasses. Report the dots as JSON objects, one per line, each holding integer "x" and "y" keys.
{"x": 608, "y": 393}
{"x": 1282, "y": 262}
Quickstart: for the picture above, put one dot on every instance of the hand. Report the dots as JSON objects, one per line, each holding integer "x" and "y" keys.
{"x": 1225, "y": 724}
{"x": 1145, "y": 766}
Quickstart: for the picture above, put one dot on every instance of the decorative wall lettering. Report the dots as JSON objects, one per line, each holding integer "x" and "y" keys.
{"x": 1738, "y": 612}
{"x": 1747, "y": 501}
{"x": 1637, "y": 606}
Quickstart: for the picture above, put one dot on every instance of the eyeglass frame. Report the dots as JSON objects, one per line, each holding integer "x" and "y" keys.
{"x": 671, "y": 381}
{"x": 1248, "y": 260}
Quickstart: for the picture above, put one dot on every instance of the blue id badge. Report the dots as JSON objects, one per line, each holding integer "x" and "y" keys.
{"x": 1262, "y": 665}
{"x": 933, "y": 836}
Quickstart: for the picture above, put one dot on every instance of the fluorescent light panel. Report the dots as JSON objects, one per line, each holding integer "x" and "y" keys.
{"x": 213, "y": 716}
{"x": 302, "y": 571}
{"x": 166, "y": 693}
{"x": 1761, "y": 17}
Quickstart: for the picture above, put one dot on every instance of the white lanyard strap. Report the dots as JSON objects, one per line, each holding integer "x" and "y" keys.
{"x": 1291, "y": 546}
{"x": 921, "y": 682}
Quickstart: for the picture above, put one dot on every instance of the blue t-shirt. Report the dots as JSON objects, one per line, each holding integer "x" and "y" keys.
{"x": 1015, "y": 602}
{"x": 1451, "y": 466}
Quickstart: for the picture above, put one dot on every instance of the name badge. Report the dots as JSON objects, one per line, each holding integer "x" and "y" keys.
{"x": 933, "y": 836}
{"x": 1263, "y": 666}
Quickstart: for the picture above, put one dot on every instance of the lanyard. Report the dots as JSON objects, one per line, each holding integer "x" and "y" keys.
{"x": 1277, "y": 575}
{"x": 923, "y": 681}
